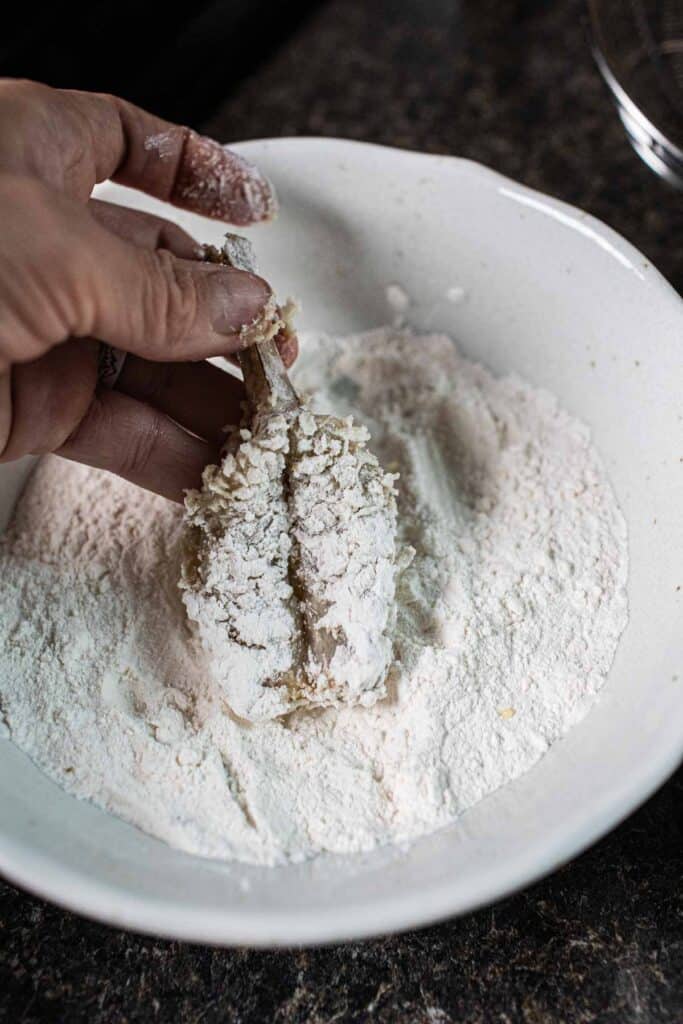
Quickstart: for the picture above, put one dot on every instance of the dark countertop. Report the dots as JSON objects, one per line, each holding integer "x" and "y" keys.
{"x": 509, "y": 83}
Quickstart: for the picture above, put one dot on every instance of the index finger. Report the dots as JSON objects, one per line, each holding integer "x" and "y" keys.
{"x": 71, "y": 140}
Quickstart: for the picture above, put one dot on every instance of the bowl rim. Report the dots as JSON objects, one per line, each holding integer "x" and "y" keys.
{"x": 112, "y": 904}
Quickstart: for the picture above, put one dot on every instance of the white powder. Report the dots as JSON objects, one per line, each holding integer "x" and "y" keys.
{"x": 398, "y": 301}
{"x": 164, "y": 144}
{"x": 218, "y": 182}
{"x": 508, "y": 619}
{"x": 456, "y": 294}
{"x": 291, "y": 566}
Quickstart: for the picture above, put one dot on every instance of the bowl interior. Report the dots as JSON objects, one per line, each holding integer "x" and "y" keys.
{"x": 549, "y": 293}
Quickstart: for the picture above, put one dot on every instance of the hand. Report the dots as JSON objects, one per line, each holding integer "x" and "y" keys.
{"x": 73, "y": 269}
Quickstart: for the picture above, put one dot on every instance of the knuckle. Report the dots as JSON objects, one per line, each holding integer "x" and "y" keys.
{"x": 108, "y": 98}
{"x": 65, "y": 413}
{"x": 39, "y": 268}
{"x": 94, "y": 421}
{"x": 36, "y": 221}
{"x": 27, "y": 106}
{"x": 139, "y": 452}
{"x": 23, "y": 91}
{"x": 21, "y": 85}
{"x": 171, "y": 302}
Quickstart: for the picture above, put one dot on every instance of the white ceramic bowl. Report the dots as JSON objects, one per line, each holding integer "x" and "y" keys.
{"x": 562, "y": 299}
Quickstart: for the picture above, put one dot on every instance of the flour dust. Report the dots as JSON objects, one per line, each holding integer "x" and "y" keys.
{"x": 507, "y": 622}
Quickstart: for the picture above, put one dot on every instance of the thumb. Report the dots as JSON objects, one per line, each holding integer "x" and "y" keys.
{"x": 62, "y": 274}
{"x": 156, "y": 305}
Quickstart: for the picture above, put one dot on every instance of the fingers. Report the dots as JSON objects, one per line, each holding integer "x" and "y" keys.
{"x": 70, "y": 140}
{"x": 288, "y": 346}
{"x": 144, "y": 229}
{"x": 212, "y": 180}
{"x": 199, "y": 396}
{"x": 53, "y": 406}
{"x": 164, "y": 308}
{"x": 42, "y": 402}
{"x": 152, "y": 232}
{"x": 63, "y": 274}
{"x": 139, "y": 443}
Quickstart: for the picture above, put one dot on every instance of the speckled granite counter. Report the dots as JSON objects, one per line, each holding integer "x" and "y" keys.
{"x": 509, "y": 83}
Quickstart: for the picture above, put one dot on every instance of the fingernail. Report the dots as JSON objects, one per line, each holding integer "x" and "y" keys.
{"x": 219, "y": 183}
{"x": 235, "y": 299}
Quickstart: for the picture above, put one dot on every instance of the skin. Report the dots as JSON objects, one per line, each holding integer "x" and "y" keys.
{"x": 73, "y": 270}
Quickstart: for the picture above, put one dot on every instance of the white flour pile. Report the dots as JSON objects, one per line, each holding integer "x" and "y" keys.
{"x": 507, "y": 622}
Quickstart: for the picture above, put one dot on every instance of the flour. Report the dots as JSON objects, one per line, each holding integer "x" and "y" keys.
{"x": 163, "y": 144}
{"x": 220, "y": 183}
{"x": 507, "y": 621}
{"x": 291, "y": 566}
{"x": 398, "y": 301}
{"x": 235, "y": 574}
{"x": 456, "y": 294}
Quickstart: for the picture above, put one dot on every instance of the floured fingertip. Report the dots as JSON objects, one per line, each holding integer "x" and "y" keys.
{"x": 219, "y": 183}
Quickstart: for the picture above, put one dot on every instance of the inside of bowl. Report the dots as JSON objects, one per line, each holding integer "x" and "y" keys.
{"x": 543, "y": 291}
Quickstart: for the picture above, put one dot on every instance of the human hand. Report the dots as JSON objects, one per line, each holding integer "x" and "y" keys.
{"x": 73, "y": 269}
